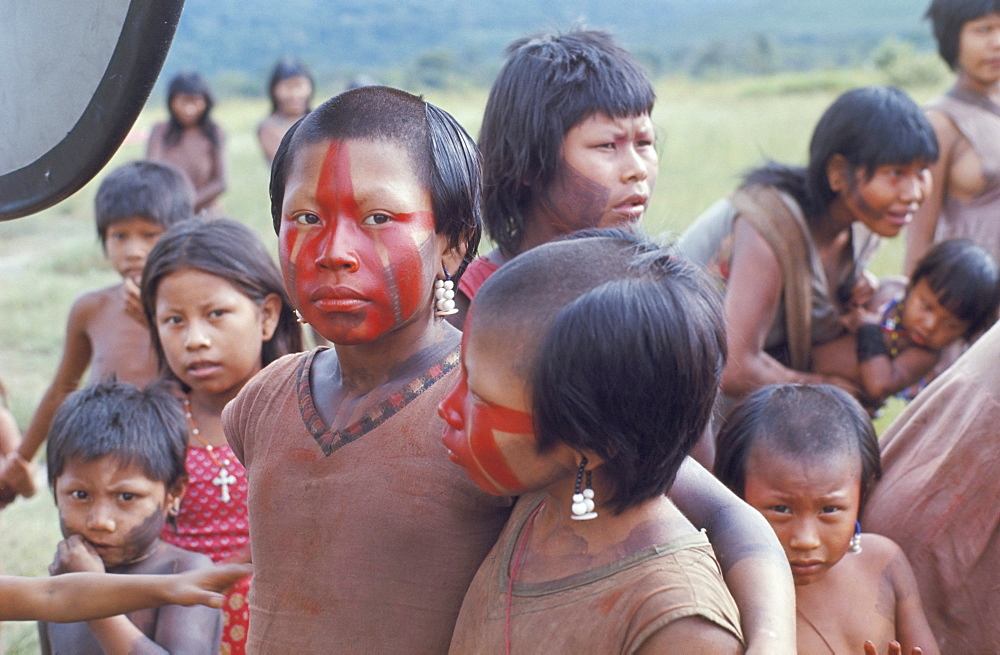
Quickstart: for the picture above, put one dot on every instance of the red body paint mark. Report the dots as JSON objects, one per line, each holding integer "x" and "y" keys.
{"x": 472, "y": 438}
{"x": 489, "y": 422}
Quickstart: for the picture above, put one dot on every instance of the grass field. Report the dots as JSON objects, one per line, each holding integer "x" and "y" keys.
{"x": 709, "y": 133}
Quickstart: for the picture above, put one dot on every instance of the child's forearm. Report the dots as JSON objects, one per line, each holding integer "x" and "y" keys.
{"x": 117, "y": 634}
{"x": 752, "y": 560}
{"x": 10, "y": 435}
{"x": 881, "y": 375}
{"x": 72, "y": 597}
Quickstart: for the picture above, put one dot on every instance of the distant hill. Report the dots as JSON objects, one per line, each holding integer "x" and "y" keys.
{"x": 443, "y": 40}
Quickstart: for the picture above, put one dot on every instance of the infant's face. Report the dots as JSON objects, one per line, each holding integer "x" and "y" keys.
{"x": 927, "y": 322}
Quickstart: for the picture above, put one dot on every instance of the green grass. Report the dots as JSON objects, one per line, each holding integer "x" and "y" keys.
{"x": 709, "y": 134}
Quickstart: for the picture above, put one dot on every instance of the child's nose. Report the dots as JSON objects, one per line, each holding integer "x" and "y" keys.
{"x": 101, "y": 518}
{"x": 197, "y": 337}
{"x": 913, "y": 188}
{"x": 339, "y": 248}
{"x": 135, "y": 248}
{"x": 805, "y": 536}
{"x": 633, "y": 165}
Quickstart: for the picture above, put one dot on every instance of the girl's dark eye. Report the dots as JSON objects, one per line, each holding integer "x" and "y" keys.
{"x": 376, "y": 219}
{"x": 307, "y": 219}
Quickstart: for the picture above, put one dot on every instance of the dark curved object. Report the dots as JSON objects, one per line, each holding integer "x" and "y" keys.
{"x": 131, "y": 73}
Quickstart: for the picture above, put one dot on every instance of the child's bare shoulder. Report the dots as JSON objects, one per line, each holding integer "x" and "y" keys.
{"x": 883, "y": 560}
{"x": 879, "y": 548}
{"x": 93, "y": 301}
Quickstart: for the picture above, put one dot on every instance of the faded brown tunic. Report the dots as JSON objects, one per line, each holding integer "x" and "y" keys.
{"x": 612, "y": 609}
{"x": 364, "y": 539}
{"x": 938, "y": 498}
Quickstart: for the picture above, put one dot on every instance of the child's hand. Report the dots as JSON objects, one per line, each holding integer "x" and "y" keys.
{"x": 17, "y": 477}
{"x": 206, "y": 586}
{"x": 894, "y": 649}
{"x": 133, "y": 301}
{"x": 865, "y": 287}
{"x": 75, "y": 555}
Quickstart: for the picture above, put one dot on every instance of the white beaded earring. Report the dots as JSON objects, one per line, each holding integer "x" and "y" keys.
{"x": 298, "y": 317}
{"x": 855, "y": 546}
{"x": 583, "y": 501}
{"x": 444, "y": 295}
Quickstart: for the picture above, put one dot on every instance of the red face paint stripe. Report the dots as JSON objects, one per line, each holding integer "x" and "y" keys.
{"x": 485, "y": 450}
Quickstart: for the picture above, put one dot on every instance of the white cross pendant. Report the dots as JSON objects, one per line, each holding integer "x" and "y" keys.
{"x": 223, "y": 481}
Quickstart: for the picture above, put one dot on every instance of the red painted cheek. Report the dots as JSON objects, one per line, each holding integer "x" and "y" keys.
{"x": 407, "y": 255}
{"x": 486, "y": 455}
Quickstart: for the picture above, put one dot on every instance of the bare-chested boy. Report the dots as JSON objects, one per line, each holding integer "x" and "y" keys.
{"x": 806, "y": 457}
{"x": 105, "y": 333}
{"x": 116, "y": 466}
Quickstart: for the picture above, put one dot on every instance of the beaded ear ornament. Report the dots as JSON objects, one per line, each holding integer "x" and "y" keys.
{"x": 583, "y": 501}
{"x": 855, "y": 546}
{"x": 444, "y": 296}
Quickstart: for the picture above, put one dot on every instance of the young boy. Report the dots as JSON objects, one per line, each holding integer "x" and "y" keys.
{"x": 806, "y": 457}
{"x": 116, "y": 467}
{"x": 567, "y": 144}
{"x": 105, "y": 332}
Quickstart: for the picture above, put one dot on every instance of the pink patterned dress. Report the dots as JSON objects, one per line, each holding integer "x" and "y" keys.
{"x": 218, "y": 528}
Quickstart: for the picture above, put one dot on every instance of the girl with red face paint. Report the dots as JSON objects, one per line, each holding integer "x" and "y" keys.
{"x": 582, "y": 378}
{"x": 365, "y": 537}
{"x": 790, "y": 244}
{"x": 807, "y": 458}
{"x": 375, "y": 196}
{"x": 219, "y": 314}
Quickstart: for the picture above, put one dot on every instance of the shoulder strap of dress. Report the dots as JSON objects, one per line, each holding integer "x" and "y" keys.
{"x": 965, "y": 97}
{"x": 773, "y": 218}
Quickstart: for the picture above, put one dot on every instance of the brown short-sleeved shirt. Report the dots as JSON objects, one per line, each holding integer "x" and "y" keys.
{"x": 364, "y": 539}
{"x": 611, "y": 609}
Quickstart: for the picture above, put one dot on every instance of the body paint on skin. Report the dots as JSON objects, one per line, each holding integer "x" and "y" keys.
{"x": 352, "y": 278}
{"x": 573, "y": 201}
{"x": 135, "y": 546}
{"x": 474, "y": 444}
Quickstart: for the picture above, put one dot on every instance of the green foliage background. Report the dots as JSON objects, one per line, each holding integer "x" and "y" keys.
{"x": 444, "y": 43}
